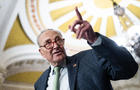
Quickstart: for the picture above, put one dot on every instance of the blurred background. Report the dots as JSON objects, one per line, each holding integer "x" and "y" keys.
{"x": 22, "y": 20}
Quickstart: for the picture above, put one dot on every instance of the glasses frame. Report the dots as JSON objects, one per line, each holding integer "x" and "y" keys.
{"x": 59, "y": 42}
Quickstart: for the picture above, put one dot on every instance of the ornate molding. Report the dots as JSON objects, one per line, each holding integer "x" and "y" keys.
{"x": 27, "y": 66}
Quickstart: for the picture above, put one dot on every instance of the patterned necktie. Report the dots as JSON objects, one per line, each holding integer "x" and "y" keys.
{"x": 56, "y": 78}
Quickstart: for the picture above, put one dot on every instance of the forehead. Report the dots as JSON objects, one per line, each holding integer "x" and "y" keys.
{"x": 50, "y": 34}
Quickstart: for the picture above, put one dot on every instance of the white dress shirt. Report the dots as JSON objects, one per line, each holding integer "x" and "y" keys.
{"x": 63, "y": 79}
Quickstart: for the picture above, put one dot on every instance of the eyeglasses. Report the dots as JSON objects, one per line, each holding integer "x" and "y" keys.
{"x": 49, "y": 44}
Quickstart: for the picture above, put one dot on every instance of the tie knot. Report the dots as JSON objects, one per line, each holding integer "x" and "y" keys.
{"x": 56, "y": 69}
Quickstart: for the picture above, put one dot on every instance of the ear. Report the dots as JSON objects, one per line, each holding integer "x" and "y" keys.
{"x": 41, "y": 52}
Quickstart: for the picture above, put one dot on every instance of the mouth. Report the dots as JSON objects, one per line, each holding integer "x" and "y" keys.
{"x": 59, "y": 52}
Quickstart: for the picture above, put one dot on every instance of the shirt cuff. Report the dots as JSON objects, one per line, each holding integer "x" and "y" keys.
{"x": 97, "y": 42}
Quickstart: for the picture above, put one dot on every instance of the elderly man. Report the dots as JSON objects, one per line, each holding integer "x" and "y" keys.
{"x": 88, "y": 70}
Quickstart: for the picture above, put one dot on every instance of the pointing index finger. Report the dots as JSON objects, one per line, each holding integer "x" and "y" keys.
{"x": 78, "y": 14}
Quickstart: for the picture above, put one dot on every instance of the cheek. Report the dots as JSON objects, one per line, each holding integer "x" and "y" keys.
{"x": 48, "y": 56}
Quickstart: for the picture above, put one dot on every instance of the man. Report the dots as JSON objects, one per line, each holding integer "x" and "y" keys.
{"x": 88, "y": 70}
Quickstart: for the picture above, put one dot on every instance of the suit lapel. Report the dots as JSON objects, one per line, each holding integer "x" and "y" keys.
{"x": 72, "y": 66}
{"x": 46, "y": 78}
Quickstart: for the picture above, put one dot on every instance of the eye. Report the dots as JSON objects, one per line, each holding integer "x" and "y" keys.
{"x": 48, "y": 42}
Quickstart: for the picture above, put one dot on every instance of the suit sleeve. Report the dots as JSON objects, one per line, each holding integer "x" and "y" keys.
{"x": 117, "y": 62}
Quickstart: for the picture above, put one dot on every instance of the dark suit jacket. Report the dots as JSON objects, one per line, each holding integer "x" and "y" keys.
{"x": 93, "y": 69}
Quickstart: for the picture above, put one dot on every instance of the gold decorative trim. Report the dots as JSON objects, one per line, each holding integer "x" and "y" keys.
{"x": 38, "y": 13}
{"x": 27, "y": 11}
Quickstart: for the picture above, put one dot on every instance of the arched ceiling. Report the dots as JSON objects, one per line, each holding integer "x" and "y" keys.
{"x": 17, "y": 36}
{"x": 40, "y": 14}
{"x": 59, "y": 14}
{"x": 25, "y": 71}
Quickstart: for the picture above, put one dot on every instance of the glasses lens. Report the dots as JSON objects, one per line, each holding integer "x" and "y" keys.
{"x": 59, "y": 41}
{"x": 50, "y": 44}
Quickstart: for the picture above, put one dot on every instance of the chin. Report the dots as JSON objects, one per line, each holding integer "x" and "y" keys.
{"x": 59, "y": 58}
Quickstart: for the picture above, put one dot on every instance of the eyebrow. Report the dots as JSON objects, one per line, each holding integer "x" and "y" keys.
{"x": 51, "y": 39}
{"x": 46, "y": 40}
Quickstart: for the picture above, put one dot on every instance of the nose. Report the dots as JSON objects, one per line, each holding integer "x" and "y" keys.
{"x": 55, "y": 45}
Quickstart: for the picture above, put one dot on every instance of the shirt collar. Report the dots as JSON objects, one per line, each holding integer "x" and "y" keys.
{"x": 62, "y": 66}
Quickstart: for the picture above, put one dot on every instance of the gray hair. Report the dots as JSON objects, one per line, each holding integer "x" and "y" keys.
{"x": 45, "y": 31}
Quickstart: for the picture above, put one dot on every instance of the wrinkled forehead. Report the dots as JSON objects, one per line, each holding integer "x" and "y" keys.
{"x": 49, "y": 34}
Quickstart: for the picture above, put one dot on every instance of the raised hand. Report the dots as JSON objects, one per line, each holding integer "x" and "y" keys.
{"x": 84, "y": 30}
